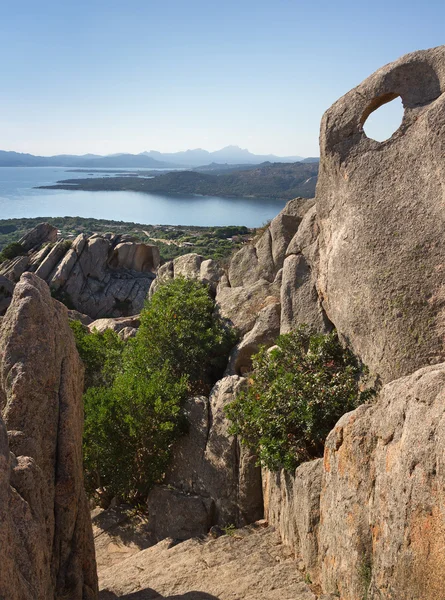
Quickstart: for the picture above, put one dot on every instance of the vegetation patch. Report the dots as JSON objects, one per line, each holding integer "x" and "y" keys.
{"x": 296, "y": 394}
{"x": 211, "y": 242}
{"x": 135, "y": 390}
{"x": 11, "y": 251}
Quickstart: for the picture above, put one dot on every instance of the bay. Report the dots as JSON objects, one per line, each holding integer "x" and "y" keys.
{"x": 19, "y": 198}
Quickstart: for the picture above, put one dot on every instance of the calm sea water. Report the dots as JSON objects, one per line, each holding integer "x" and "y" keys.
{"x": 18, "y": 198}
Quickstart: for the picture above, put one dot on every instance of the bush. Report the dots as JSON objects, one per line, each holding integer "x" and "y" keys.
{"x": 181, "y": 329}
{"x": 101, "y": 354}
{"x": 11, "y": 251}
{"x": 136, "y": 390}
{"x": 296, "y": 394}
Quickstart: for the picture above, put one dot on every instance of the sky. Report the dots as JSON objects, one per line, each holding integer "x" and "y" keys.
{"x": 107, "y": 76}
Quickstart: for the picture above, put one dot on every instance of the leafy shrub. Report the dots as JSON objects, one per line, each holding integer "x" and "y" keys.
{"x": 129, "y": 430}
{"x": 136, "y": 390}
{"x": 180, "y": 328}
{"x": 11, "y": 251}
{"x": 101, "y": 354}
{"x": 296, "y": 394}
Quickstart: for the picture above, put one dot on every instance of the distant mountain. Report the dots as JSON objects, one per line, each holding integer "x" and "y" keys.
{"x": 230, "y": 154}
{"x": 311, "y": 159}
{"x": 17, "y": 159}
{"x": 281, "y": 181}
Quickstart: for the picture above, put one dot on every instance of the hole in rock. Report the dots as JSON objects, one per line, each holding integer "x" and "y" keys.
{"x": 383, "y": 117}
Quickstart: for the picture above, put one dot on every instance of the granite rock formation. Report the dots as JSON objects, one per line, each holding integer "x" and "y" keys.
{"x": 45, "y": 528}
{"x": 98, "y": 275}
{"x": 368, "y": 520}
{"x": 381, "y": 218}
{"x": 191, "y": 266}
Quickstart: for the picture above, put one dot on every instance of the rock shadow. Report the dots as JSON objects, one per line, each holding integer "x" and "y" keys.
{"x": 150, "y": 594}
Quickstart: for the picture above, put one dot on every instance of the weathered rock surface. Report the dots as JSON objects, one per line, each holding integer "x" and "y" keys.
{"x": 190, "y": 266}
{"x": 44, "y": 232}
{"x": 100, "y": 275}
{"x": 252, "y": 564}
{"x": 135, "y": 256}
{"x": 211, "y": 480}
{"x": 383, "y": 502}
{"x": 381, "y": 218}
{"x": 300, "y": 302}
{"x": 292, "y": 506}
{"x": 118, "y": 534}
{"x": 265, "y": 257}
{"x": 45, "y": 529}
{"x": 264, "y": 333}
{"x": 116, "y": 325}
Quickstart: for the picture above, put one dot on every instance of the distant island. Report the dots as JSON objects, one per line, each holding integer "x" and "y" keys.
{"x": 280, "y": 181}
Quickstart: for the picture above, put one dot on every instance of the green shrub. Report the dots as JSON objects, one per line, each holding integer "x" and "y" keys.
{"x": 11, "y": 251}
{"x": 129, "y": 430}
{"x": 296, "y": 394}
{"x": 101, "y": 354}
{"x": 180, "y": 328}
{"x": 136, "y": 390}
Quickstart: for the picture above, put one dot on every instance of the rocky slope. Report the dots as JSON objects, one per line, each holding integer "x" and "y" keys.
{"x": 252, "y": 564}
{"x": 45, "y": 528}
{"x": 103, "y": 275}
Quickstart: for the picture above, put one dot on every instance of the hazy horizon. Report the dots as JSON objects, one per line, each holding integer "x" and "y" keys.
{"x": 153, "y": 150}
{"x": 102, "y": 77}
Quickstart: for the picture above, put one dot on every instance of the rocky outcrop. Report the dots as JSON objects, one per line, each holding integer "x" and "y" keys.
{"x": 45, "y": 528}
{"x": 42, "y": 233}
{"x": 190, "y": 266}
{"x": 292, "y": 505}
{"x": 116, "y": 325}
{"x": 382, "y": 502}
{"x": 381, "y": 218}
{"x": 100, "y": 275}
{"x": 211, "y": 479}
{"x": 264, "y": 333}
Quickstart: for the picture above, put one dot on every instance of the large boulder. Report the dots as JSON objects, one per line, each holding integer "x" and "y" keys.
{"x": 264, "y": 258}
{"x": 136, "y": 256}
{"x": 382, "y": 529}
{"x": 43, "y": 232}
{"x": 45, "y": 528}
{"x": 190, "y": 266}
{"x": 381, "y": 218}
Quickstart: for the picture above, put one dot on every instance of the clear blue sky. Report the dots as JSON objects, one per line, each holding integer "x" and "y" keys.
{"x": 109, "y": 76}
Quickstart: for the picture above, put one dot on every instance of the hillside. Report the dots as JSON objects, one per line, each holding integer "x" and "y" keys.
{"x": 278, "y": 180}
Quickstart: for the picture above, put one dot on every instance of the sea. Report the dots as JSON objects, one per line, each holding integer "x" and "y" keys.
{"x": 20, "y": 198}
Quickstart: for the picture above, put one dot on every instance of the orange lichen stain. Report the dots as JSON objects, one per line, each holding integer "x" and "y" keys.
{"x": 327, "y": 461}
{"x": 392, "y": 456}
{"x": 428, "y": 551}
{"x": 376, "y": 532}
